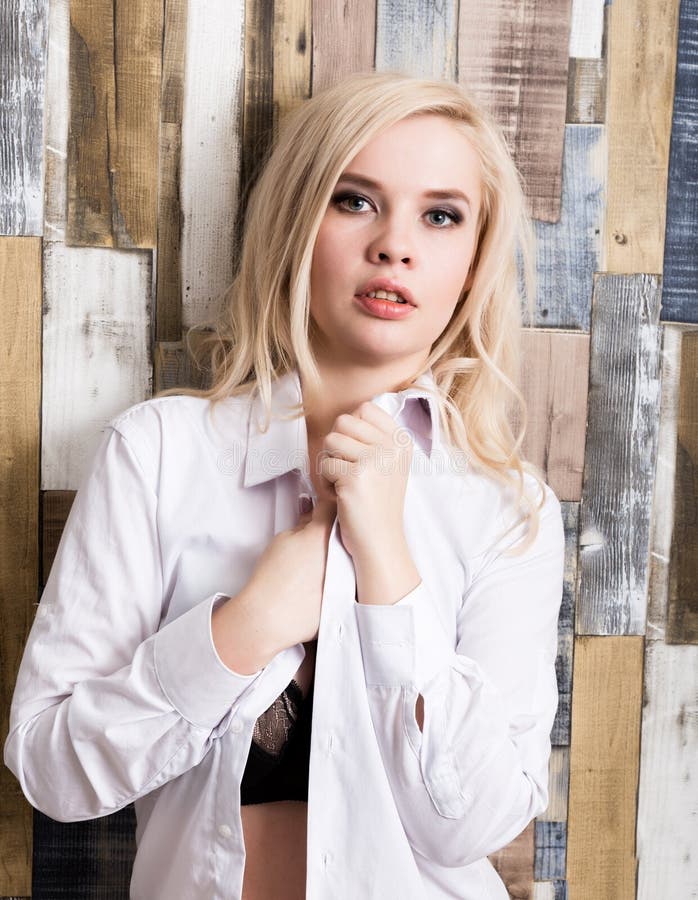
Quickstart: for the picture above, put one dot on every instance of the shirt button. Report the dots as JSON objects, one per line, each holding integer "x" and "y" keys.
{"x": 327, "y": 859}
{"x": 330, "y": 742}
{"x": 225, "y": 831}
{"x": 236, "y": 726}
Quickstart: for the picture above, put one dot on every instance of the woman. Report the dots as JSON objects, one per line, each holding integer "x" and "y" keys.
{"x": 194, "y": 624}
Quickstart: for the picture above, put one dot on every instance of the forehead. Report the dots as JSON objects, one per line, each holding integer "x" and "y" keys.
{"x": 425, "y": 152}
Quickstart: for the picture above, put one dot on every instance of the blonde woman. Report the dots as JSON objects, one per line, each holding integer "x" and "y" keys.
{"x": 306, "y": 619}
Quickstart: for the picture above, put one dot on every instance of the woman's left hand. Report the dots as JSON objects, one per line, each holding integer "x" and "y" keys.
{"x": 367, "y": 458}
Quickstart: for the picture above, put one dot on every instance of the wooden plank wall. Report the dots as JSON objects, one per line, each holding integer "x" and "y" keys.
{"x": 114, "y": 238}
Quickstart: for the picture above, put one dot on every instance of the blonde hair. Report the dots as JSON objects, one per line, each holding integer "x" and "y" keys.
{"x": 263, "y": 330}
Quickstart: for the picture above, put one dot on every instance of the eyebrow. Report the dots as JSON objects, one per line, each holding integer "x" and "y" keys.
{"x": 445, "y": 194}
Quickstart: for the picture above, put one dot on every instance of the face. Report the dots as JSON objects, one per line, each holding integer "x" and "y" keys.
{"x": 402, "y": 219}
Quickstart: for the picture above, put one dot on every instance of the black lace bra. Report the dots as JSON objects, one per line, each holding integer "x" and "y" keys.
{"x": 279, "y": 758}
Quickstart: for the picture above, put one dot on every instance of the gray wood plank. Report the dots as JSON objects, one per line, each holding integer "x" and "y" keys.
{"x": 560, "y": 736}
{"x": 620, "y": 457}
{"x": 551, "y": 850}
{"x": 24, "y": 31}
{"x": 417, "y": 37}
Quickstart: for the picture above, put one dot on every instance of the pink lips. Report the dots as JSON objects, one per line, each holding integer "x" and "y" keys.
{"x": 386, "y": 284}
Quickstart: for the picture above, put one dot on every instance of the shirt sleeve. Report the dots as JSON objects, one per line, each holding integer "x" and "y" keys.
{"x": 109, "y": 706}
{"x": 475, "y": 776}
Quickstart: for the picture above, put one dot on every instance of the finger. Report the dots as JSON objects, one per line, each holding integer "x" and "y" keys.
{"x": 343, "y": 446}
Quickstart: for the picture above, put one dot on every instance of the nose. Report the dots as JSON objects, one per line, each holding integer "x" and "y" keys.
{"x": 392, "y": 243}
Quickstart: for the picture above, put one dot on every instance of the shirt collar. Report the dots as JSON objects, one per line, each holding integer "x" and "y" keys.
{"x": 284, "y": 445}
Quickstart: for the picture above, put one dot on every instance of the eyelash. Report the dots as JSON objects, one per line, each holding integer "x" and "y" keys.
{"x": 452, "y": 214}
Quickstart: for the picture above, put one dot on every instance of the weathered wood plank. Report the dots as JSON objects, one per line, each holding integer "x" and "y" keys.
{"x": 115, "y": 68}
{"x": 95, "y": 351}
{"x": 682, "y": 613}
{"x": 640, "y": 72}
{"x": 516, "y": 63}
{"x": 558, "y": 786}
{"x": 663, "y": 503}
{"x": 668, "y": 802}
{"x": 604, "y": 758}
{"x": 554, "y": 382}
{"x": 586, "y": 92}
{"x": 620, "y": 455}
{"x": 544, "y": 890}
{"x": 20, "y": 402}
{"x": 560, "y": 735}
{"x": 344, "y": 39}
{"x": 258, "y": 110}
{"x": 24, "y": 30}
{"x": 551, "y": 850}
{"x": 514, "y": 863}
{"x": 570, "y": 251}
{"x": 177, "y": 365}
{"x": 56, "y": 122}
{"x": 292, "y": 63}
{"x": 680, "y": 294}
{"x": 586, "y": 32}
{"x": 168, "y": 306}
{"x": 417, "y": 37}
{"x": 211, "y": 128}
{"x": 55, "y": 507}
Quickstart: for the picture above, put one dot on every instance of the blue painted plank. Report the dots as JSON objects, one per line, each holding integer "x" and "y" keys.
{"x": 551, "y": 851}
{"x": 417, "y": 37}
{"x": 680, "y": 289}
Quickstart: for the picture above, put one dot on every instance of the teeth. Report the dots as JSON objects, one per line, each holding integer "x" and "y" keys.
{"x": 386, "y": 295}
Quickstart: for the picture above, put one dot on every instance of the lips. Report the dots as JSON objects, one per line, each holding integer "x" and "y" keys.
{"x": 387, "y": 284}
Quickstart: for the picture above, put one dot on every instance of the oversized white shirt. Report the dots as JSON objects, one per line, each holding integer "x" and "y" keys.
{"x": 122, "y": 697}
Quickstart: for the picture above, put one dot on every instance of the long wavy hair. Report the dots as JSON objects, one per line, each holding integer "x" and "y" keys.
{"x": 264, "y": 328}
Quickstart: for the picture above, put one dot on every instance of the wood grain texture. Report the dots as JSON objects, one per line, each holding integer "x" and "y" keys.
{"x": 514, "y": 863}
{"x": 620, "y": 456}
{"x": 682, "y": 613}
{"x": 663, "y": 504}
{"x": 560, "y": 735}
{"x": 168, "y": 308}
{"x": 516, "y": 62}
{"x": 176, "y": 365}
{"x": 292, "y": 63}
{"x": 668, "y": 802}
{"x": 417, "y": 37}
{"x": 680, "y": 294}
{"x": 344, "y": 39}
{"x": 56, "y": 121}
{"x": 258, "y": 109}
{"x": 551, "y": 849}
{"x": 20, "y": 402}
{"x": 604, "y": 757}
{"x": 24, "y": 30}
{"x": 586, "y": 92}
{"x": 586, "y": 32}
{"x": 55, "y": 506}
{"x": 641, "y": 61}
{"x": 115, "y": 69}
{"x": 570, "y": 251}
{"x": 554, "y": 381}
{"x": 211, "y": 138}
{"x": 95, "y": 359}
{"x": 558, "y": 786}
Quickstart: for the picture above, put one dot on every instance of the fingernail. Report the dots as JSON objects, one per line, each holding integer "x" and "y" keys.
{"x": 305, "y": 504}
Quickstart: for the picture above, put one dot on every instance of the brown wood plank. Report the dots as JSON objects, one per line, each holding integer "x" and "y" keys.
{"x": 258, "y": 110}
{"x": 604, "y": 761}
{"x": 642, "y": 37}
{"x": 344, "y": 39}
{"x": 514, "y": 863}
{"x": 515, "y": 60}
{"x": 176, "y": 365}
{"x": 586, "y": 91}
{"x": 20, "y": 400}
{"x": 55, "y": 506}
{"x": 115, "y": 68}
{"x": 620, "y": 455}
{"x": 555, "y": 377}
{"x": 168, "y": 307}
{"x": 682, "y": 616}
{"x": 292, "y": 55}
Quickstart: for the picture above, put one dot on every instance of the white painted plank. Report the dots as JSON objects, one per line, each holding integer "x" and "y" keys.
{"x": 558, "y": 786}
{"x": 667, "y": 827}
{"x": 95, "y": 351}
{"x": 211, "y": 133}
{"x": 417, "y": 37}
{"x": 56, "y": 123}
{"x": 586, "y": 35}
{"x": 569, "y": 251}
{"x": 23, "y": 26}
{"x": 543, "y": 890}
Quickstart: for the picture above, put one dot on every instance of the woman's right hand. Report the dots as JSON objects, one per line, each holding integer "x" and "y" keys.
{"x": 280, "y": 604}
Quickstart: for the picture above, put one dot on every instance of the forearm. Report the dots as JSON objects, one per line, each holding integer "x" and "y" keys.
{"x": 386, "y": 573}
{"x": 242, "y": 634}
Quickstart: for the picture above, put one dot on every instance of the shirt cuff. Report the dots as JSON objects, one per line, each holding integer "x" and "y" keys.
{"x": 403, "y": 643}
{"x": 190, "y": 671}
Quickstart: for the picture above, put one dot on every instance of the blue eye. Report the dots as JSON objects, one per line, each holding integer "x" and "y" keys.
{"x": 442, "y": 218}
{"x": 350, "y": 202}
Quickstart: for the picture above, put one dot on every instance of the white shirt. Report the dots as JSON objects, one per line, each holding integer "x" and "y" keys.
{"x": 122, "y": 697}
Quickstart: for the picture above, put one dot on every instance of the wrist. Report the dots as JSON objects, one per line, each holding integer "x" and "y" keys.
{"x": 242, "y": 635}
{"x": 387, "y": 576}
